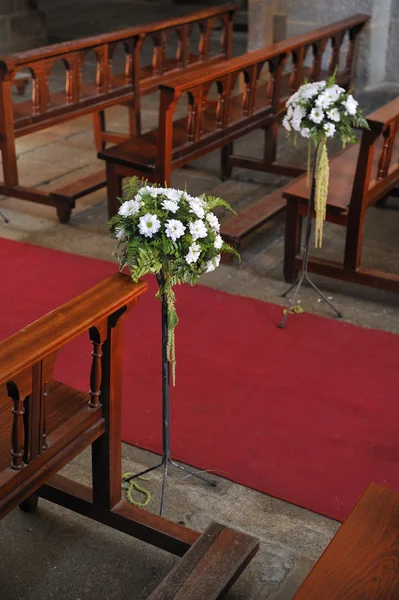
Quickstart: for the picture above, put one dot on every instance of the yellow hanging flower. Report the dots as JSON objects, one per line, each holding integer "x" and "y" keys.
{"x": 322, "y": 174}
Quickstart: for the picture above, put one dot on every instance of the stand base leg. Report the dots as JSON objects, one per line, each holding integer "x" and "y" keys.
{"x": 298, "y": 284}
{"x": 165, "y": 462}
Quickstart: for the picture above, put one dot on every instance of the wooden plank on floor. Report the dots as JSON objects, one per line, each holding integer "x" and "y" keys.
{"x": 241, "y": 225}
{"x": 210, "y": 567}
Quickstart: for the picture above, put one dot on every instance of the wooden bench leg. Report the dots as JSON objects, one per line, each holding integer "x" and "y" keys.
{"x": 292, "y": 244}
{"x": 30, "y": 504}
{"x": 225, "y": 166}
{"x": 64, "y": 211}
{"x": 98, "y": 129}
{"x": 114, "y": 189}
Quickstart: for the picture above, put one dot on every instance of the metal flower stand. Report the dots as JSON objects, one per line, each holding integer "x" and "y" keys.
{"x": 166, "y": 459}
{"x": 304, "y": 275}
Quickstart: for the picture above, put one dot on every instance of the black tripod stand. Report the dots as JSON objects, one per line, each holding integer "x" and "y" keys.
{"x": 166, "y": 454}
{"x": 304, "y": 271}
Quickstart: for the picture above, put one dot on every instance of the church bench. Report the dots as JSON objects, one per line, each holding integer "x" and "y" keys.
{"x": 45, "y": 423}
{"x": 220, "y": 110}
{"x": 360, "y": 176}
{"x": 47, "y": 107}
{"x": 361, "y": 562}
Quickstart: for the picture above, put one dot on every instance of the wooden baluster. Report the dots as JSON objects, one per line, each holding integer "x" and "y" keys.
{"x": 389, "y": 135}
{"x": 179, "y": 49}
{"x": 96, "y": 367}
{"x": 128, "y": 64}
{"x": 69, "y": 84}
{"x": 185, "y": 45}
{"x": 99, "y": 73}
{"x": 192, "y": 114}
{"x": 158, "y": 53}
{"x": 74, "y": 78}
{"x": 293, "y": 79}
{"x": 18, "y": 427}
{"x": 221, "y": 105}
{"x": 315, "y": 69}
{"x": 336, "y": 42}
{"x": 252, "y": 82}
{"x": 36, "y": 104}
{"x": 44, "y": 416}
{"x": 246, "y": 99}
{"x": 270, "y": 84}
{"x": 204, "y": 41}
{"x": 351, "y": 59}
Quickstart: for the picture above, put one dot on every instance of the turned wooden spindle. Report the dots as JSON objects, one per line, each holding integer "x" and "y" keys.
{"x": 18, "y": 433}
{"x": 383, "y": 163}
{"x": 192, "y": 114}
{"x": 220, "y": 109}
{"x": 36, "y": 95}
{"x": 96, "y": 373}
{"x": 270, "y": 84}
{"x": 44, "y": 416}
{"x": 69, "y": 91}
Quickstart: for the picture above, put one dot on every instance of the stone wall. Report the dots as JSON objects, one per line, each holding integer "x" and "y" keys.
{"x": 22, "y": 26}
{"x": 379, "y": 49}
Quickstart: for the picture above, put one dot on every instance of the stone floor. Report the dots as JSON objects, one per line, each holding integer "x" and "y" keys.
{"x": 56, "y": 554}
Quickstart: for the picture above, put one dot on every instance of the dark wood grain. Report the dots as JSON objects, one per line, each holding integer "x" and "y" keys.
{"x": 210, "y": 566}
{"x": 362, "y": 561}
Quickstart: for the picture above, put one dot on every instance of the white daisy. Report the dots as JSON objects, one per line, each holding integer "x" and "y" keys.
{"x": 218, "y": 243}
{"x": 196, "y": 208}
{"x": 198, "y": 229}
{"x": 149, "y": 224}
{"x": 212, "y": 264}
{"x": 324, "y": 100}
{"x": 170, "y": 205}
{"x": 350, "y": 104}
{"x": 193, "y": 254}
{"x": 287, "y": 124}
{"x": 296, "y": 124}
{"x": 130, "y": 207}
{"x": 329, "y": 128}
{"x": 334, "y": 115}
{"x": 316, "y": 115}
{"x": 305, "y": 132}
{"x": 213, "y": 221}
{"x": 173, "y": 195}
{"x": 174, "y": 229}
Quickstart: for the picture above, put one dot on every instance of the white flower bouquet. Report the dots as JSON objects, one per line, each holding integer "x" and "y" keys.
{"x": 319, "y": 111}
{"x": 166, "y": 231}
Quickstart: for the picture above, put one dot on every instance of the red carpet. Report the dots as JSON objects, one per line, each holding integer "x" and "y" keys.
{"x": 309, "y": 414}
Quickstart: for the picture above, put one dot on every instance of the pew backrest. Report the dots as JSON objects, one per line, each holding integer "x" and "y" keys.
{"x": 46, "y": 108}
{"x": 257, "y": 93}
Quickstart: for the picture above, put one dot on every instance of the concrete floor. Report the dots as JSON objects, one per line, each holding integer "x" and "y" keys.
{"x": 56, "y": 554}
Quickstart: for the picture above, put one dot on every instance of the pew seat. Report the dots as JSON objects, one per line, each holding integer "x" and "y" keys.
{"x": 361, "y": 562}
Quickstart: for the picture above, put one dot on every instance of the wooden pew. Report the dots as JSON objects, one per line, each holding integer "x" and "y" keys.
{"x": 79, "y": 98}
{"x": 359, "y": 177}
{"x": 361, "y": 562}
{"x": 215, "y": 122}
{"x": 45, "y": 423}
